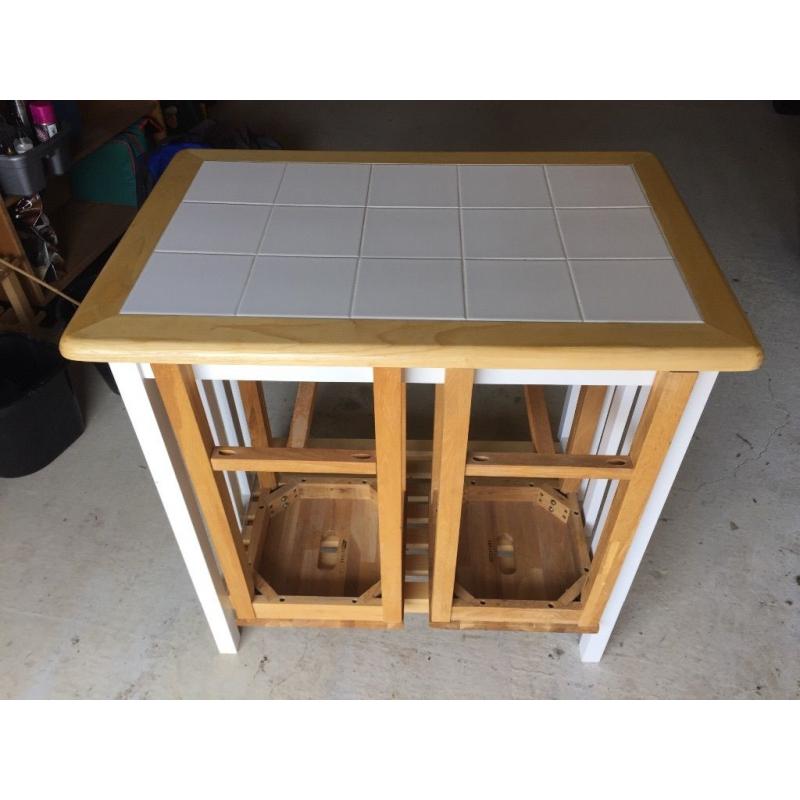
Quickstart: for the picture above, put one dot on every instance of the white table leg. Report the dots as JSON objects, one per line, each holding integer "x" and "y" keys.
{"x": 592, "y": 645}
{"x": 166, "y": 467}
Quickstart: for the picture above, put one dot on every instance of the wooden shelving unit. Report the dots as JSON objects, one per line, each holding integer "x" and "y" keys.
{"x": 85, "y": 229}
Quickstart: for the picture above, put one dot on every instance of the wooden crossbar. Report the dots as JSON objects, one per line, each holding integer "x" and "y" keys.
{"x": 545, "y": 465}
{"x": 287, "y": 459}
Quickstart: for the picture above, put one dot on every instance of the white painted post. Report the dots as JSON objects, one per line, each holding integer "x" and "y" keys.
{"x": 593, "y": 645}
{"x": 166, "y": 467}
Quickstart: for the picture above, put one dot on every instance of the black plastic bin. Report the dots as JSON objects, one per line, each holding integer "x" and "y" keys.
{"x": 39, "y": 415}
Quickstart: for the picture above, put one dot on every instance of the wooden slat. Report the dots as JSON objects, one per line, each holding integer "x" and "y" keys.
{"x": 303, "y": 413}
{"x": 584, "y": 425}
{"x": 533, "y": 465}
{"x": 388, "y": 391}
{"x": 317, "y": 608}
{"x": 662, "y": 414}
{"x": 539, "y": 419}
{"x": 511, "y": 612}
{"x": 285, "y": 459}
{"x": 255, "y": 408}
{"x": 181, "y": 399}
{"x": 453, "y": 403}
{"x": 258, "y": 532}
{"x": 578, "y": 533}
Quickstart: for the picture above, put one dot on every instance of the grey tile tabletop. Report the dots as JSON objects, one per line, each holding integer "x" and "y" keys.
{"x": 494, "y": 242}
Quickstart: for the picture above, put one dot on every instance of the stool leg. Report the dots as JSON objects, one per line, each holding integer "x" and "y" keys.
{"x": 389, "y": 391}
{"x": 451, "y": 435}
{"x": 255, "y": 409}
{"x": 302, "y": 414}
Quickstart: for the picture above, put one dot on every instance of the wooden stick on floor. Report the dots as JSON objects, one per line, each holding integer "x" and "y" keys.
{"x": 389, "y": 390}
{"x": 453, "y": 403}
{"x": 178, "y": 389}
{"x": 662, "y": 414}
{"x": 255, "y": 407}
{"x": 584, "y": 425}
{"x": 303, "y": 413}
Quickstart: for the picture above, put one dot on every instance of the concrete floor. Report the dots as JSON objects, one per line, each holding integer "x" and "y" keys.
{"x": 94, "y": 599}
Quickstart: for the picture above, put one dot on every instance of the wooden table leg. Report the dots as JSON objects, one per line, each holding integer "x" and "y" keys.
{"x": 593, "y": 645}
{"x": 662, "y": 414}
{"x": 155, "y": 437}
{"x": 178, "y": 389}
{"x": 389, "y": 391}
{"x": 451, "y": 432}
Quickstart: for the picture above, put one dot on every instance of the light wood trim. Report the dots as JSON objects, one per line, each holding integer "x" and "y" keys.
{"x": 255, "y": 409}
{"x": 178, "y": 390}
{"x": 539, "y": 419}
{"x": 454, "y": 401}
{"x": 521, "y": 627}
{"x": 303, "y": 413}
{"x": 532, "y": 465}
{"x": 317, "y": 608}
{"x": 285, "y": 459}
{"x": 389, "y": 390}
{"x": 724, "y": 342}
{"x": 506, "y": 612}
{"x": 318, "y": 623}
{"x": 662, "y": 414}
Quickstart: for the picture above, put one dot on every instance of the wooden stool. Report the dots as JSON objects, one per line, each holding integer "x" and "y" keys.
{"x": 307, "y": 550}
{"x": 512, "y": 553}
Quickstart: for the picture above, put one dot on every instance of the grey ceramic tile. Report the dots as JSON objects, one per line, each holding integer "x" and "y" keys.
{"x": 413, "y": 185}
{"x": 299, "y": 287}
{"x": 612, "y": 233}
{"x": 633, "y": 291}
{"x": 189, "y": 283}
{"x": 595, "y": 185}
{"x": 503, "y": 185}
{"x": 313, "y": 231}
{"x": 214, "y": 228}
{"x": 235, "y": 182}
{"x": 412, "y": 233}
{"x": 520, "y": 290}
{"x": 511, "y": 233}
{"x": 409, "y": 289}
{"x": 324, "y": 184}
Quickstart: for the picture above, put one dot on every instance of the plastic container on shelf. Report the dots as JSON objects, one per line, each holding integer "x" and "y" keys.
{"x": 26, "y": 173}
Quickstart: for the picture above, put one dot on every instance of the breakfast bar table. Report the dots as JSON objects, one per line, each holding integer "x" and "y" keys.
{"x": 578, "y": 277}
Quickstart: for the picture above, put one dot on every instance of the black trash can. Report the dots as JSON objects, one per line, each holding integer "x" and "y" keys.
{"x": 39, "y": 415}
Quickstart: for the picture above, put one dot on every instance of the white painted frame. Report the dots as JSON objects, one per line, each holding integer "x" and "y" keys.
{"x": 628, "y": 392}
